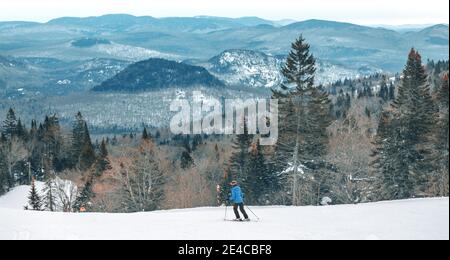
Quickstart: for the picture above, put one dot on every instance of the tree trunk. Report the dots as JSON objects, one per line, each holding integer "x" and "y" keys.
{"x": 295, "y": 162}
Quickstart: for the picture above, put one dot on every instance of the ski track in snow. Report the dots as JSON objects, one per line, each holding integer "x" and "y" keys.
{"x": 407, "y": 219}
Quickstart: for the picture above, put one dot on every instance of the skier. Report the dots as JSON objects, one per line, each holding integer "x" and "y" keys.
{"x": 238, "y": 201}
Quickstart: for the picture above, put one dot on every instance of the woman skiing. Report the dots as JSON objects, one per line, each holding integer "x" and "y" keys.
{"x": 237, "y": 199}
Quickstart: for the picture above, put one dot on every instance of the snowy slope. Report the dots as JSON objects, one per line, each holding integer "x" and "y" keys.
{"x": 247, "y": 68}
{"x": 409, "y": 219}
{"x": 18, "y": 197}
{"x": 259, "y": 70}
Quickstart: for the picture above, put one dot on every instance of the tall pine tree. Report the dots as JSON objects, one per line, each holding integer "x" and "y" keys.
{"x": 441, "y": 178}
{"x": 103, "y": 162}
{"x": 4, "y": 175}
{"x": 186, "y": 160}
{"x": 87, "y": 156}
{"x": 403, "y": 153}
{"x": 394, "y": 180}
{"x": 145, "y": 135}
{"x": 83, "y": 154}
{"x": 303, "y": 121}
{"x": 9, "y": 128}
{"x": 259, "y": 182}
{"x": 238, "y": 164}
{"x": 34, "y": 199}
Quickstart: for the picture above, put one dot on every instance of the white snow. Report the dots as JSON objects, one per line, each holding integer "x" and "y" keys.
{"x": 130, "y": 52}
{"x": 407, "y": 219}
{"x": 64, "y": 192}
{"x": 257, "y": 69}
{"x": 64, "y": 82}
{"x": 18, "y": 197}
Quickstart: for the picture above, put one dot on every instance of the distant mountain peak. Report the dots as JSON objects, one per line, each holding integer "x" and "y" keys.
{"x": 321, "y": 24}
{"x": 159, "y": 73}
{"x": 247, "y": 68}
{"x": 437, "y": 27}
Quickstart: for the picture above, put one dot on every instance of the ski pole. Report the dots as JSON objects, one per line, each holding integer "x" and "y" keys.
{"x": 226, "y": 209}
{"x": 253, "y": 213}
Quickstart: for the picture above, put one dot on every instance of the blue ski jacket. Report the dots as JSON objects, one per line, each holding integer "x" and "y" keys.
{"x": 236, "y": 195}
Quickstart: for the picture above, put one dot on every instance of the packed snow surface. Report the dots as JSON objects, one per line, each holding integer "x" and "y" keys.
{"x": 407, "y": 219}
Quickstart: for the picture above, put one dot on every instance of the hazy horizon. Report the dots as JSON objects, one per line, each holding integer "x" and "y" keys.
{"x": 410, "y": 25}
{"x": 382, "y": 12}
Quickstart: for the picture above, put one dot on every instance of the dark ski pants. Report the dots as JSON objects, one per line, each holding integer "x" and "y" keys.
{"x": 241, "y": 208}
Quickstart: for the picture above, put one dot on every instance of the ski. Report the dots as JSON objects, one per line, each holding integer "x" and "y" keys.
{"x": 233, "y": 220}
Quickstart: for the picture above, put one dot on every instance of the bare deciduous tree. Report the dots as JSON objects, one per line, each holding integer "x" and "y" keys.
{"x": 350, "y": 151}
{"x": 15, "y": 152}
{"x": 142, "y": 183}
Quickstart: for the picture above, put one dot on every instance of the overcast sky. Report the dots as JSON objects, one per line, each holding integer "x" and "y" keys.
{"x": 393, "y": 12}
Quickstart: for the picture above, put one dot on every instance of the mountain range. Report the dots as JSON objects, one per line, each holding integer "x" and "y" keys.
{"x": 72, "y": 54}
{"x": 140, "y": 64}
{"x": 205, "y": 37}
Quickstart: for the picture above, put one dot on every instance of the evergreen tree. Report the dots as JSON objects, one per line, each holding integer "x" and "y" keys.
{"x": 78, "y": 137}
{"x": 9, "y": 128}
{"x": 51, "y": 140}
{"x": 114, "y": 140}
{"x": 403, "y": 149}
{"x": 392, "y": 92}
{"x": 145, "y": 135}
{"x": 238, "y": 164}
{"x": 384, "y": 92}
{"x": 87, "y": 156}
{"x": 4, "y": 176}
{"x": 33, "y": 130}
{"x": 103, "y": 163}
{"x": 441, "y": 178}
{"x": 34, "y": 199}
{"x": 86, "y": 195}
{"x": 21, "y": 131}
{"x": 304, "y": 117}
{"x": 394, "y": 180}
{"x": 49, "y": 195}
{"x": 83, "y": 154}
{"x": 259, "y": 182}
{"x": 300, "y": 66}
{"x": 186, "y": 160}
{"x": 416, "y": 112}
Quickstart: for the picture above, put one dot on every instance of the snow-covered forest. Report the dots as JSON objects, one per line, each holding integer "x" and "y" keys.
{"x": 363, "y": 140}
